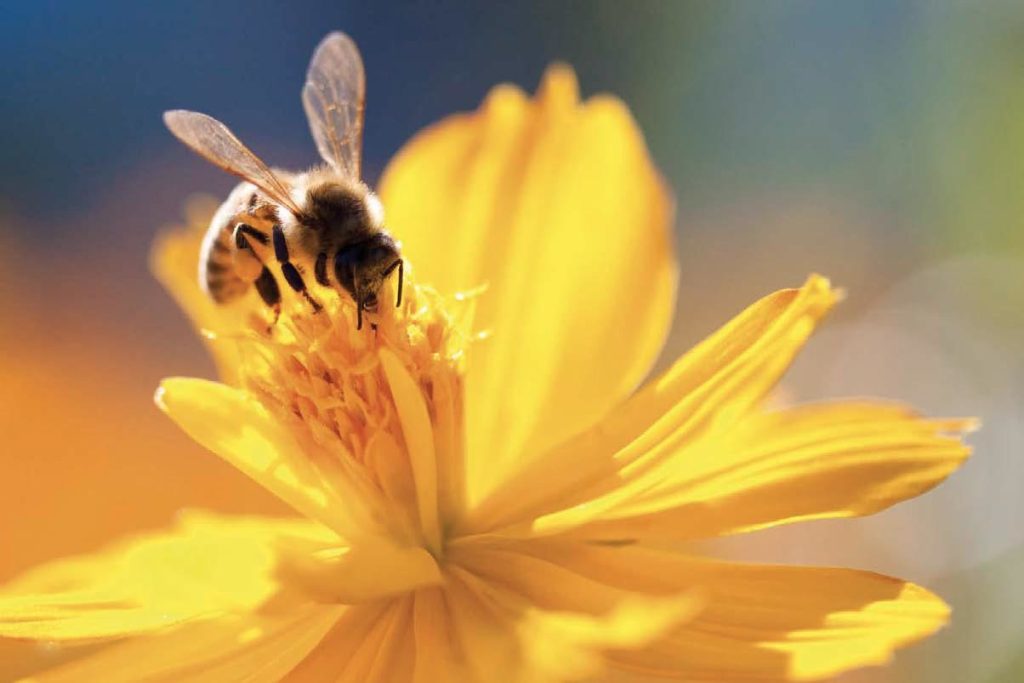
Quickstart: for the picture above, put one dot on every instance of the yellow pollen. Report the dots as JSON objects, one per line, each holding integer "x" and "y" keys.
{"x": 324, "y": 380}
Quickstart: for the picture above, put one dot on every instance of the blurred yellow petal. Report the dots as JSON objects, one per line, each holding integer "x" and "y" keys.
{"x": 810, "y": 462}
{"x": 206, "y": 567}
{"x": 174, "y": 260}
{"x": 707, "y": 389}
{"x": 255, "y": 649}
{"x": 757, "y": 622}
{"x": 239, "y": 429}
{"x": 555, "y": 206}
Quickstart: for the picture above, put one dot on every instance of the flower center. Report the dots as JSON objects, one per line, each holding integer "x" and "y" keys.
{"x": 327, "y": 382}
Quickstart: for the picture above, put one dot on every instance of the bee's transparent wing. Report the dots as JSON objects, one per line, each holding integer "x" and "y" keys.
{"x": 334, "y": 97}
{"x": 211, "y": 139}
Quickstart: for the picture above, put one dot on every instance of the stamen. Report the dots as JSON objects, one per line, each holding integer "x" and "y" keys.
{"x": 324, "y": 378}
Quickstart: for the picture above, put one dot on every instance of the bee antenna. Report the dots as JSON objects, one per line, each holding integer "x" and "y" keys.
{"x": 359, "y": 314}
{"x": 400, "y": 264}
{"x": 401, "y": 276}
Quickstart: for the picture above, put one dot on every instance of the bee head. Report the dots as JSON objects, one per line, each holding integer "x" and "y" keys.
{"x": 362, "y": 268}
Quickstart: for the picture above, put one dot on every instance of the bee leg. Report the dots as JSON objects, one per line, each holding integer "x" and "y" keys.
{"x": 268, "y": 290}
{"x": 247, "y": 260}
{"x": 291, "y": 274}
{"x": 245, "y": 232}
{"x": 294, "y": 278}
{"x": 250, "y": 248}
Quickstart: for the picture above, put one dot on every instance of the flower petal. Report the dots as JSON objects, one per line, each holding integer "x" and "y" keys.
{"x": 174, "y": 260}
{"x": 255, "y": 649}
{"x": 419, "y": 441}
{"x": 501, "y": 630}
{"x": 792, "y": 623}
{"x": 208, "y": 566}
{"x": 237, "y": 428}
{"x": 562, "y": 619}
{"x": 556, "y": 207}
{"x": 376, "y": 567}
{"x": 811, "y": 462}
{"x": 437, "y": 655}
{"x": 367, "y": 645}
{"x": 709, "y": 388}
{"x": 759, "y": 622}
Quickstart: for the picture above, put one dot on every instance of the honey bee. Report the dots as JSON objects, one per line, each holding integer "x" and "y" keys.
{"x": 325, "y": 220}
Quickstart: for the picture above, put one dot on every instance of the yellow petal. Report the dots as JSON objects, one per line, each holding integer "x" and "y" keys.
{"x": 206, "y": 567}
{"x": 502, "y": 630}
{"x": 237, "y": 428}
{"x": 811, "y": 462}
{"x": 708, "y": 389}
{"x": 546, "y": 584}
{"x": 363, "y": 647}
{"x": 792, "y": 623}
{"x": 388, "y": 654}
{"x": 374, "y": 567}
{"x": 483, "y": 634}
{"x": 255, "y": 649}
{"x": 562, "y": 646}
{"x": 758, "y": 622}
{"x": 437, "y": 655}
{"x": 556, "y": 207}
{"x": 419, "y": 440}
{"x": 175, "y": 262}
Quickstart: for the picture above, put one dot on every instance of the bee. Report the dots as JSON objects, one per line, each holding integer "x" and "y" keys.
{"x": 325, "y": 220}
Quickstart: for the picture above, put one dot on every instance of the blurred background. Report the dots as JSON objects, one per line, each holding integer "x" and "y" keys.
{"x": 879, "y": 143}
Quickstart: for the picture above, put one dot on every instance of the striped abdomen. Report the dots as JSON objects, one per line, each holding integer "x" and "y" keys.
{"x": 225, "y": 272}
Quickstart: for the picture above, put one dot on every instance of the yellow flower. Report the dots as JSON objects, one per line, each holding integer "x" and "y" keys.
{"x": 483, "y": 496}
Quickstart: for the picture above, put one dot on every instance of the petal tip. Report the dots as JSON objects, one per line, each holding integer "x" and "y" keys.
{"x": 503, "y": 102}
{"x": 822, "y": 285}
{"x": 967, "y": 425}
{"x": 159, "y": 397}
{"x": 163, "y": 396}
{"x": 559, "y": 85}
{"x": 821, "y": 295}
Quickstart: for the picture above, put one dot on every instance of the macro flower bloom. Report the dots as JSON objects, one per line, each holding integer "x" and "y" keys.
{"x": 482, "y": 493}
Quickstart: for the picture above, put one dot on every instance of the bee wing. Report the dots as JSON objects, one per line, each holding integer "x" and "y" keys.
{"x": 334, "y": 97}
{"x": 211, "y": 139}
